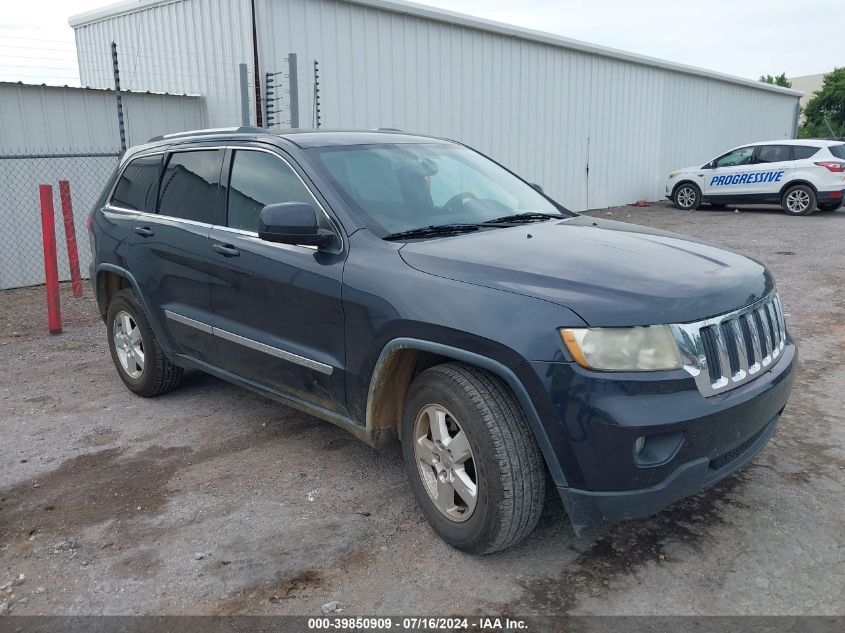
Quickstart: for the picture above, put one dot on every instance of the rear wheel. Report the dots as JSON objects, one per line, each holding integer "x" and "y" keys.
{"x": 137, "y": 355}
{"x": 829, "y": 206}
{"x": 687, "y": 196}
{"x": 472, "y": 461}
{"x": 799, "y": 200}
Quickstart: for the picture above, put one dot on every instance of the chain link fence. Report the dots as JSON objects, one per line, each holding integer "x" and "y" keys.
{"x": 21, "y": 246}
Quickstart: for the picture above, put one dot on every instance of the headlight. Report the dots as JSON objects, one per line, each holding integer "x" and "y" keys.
{"x": 648, "y": 348}
{"x": 673, "y": 174}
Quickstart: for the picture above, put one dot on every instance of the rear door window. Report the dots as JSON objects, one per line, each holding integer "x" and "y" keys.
{"x": 773, "y": 153}
{"x": 136, "y": 187}
{"x": 838, "y": 151}
{"x": 189, "y": 186}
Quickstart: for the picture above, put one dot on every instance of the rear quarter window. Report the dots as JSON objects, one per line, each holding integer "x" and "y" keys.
{"x": 800, "y": 152}
{"x": 838, "y": 150}
{"x": 136, "y": 187}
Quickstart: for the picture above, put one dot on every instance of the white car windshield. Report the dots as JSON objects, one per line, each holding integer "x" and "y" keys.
{"x": 407, "y": 186}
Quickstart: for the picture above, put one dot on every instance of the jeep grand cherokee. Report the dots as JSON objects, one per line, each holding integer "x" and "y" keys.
{"x": 409, "y": 288}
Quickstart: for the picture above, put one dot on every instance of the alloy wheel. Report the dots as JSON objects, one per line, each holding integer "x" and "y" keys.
{"x": 685, "y": 197}
{"x": 445, "y": 462}
{"x": 798, "y": 201}
{"x": 128, "y": 344}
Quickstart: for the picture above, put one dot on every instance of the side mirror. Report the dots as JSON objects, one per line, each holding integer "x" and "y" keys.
{"x": 710, "y": 165}
{"x": 537, "y": 187}
{"x": 292, "y": 223}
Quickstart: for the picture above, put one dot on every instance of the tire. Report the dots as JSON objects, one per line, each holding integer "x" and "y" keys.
{"x": 829, "y": 206}
{"x": 799, "y": 200}
{"x": 687, "y": 196}
{"x": 498, "y": 454}
{"x": 136, "y": 353}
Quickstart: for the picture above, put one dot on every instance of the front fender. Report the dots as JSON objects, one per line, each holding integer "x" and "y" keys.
{"x": 384, "y": 368}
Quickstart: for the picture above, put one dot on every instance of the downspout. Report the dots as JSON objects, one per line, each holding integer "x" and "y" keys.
{"x": 259, "y": 117}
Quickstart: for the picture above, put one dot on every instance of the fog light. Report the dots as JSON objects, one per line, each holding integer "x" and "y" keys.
{"x": 639, "y": 445}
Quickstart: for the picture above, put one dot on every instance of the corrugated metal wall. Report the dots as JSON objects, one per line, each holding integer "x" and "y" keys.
{"x": 49, "y": 119}
{"x": 179, "y": 47}
{"x": 48, "y": 134}
{"x": 548, "y": 111}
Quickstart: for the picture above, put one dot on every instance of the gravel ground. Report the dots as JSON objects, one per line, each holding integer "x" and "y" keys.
{"x": 212, "y": 500}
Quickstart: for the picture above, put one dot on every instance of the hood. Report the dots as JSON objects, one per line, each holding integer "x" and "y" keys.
{"x": 609, "y": 273}
{"x": 686, "y": 170}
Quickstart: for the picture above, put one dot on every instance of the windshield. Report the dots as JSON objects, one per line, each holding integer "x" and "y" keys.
{"x": 402, "y": 187}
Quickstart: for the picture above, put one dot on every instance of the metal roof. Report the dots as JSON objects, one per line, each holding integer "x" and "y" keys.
{"x": 460, "y": 19}
{"x": 60, "y": 87}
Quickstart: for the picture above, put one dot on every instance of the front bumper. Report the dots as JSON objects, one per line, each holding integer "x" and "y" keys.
{"x": 599, "y": 418}
{"x": 590, "y": 511}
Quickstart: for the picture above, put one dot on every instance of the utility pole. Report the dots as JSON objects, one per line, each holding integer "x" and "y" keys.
{"x": 116, "y": 71}
{"x": 293, "y": 90}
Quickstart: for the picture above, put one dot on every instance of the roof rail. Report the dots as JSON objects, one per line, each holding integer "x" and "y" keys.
{"x": 244, "y": 129}
{"x": 387, "y": 129}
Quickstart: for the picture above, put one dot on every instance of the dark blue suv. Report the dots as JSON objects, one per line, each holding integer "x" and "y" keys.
{"x": 409, "y": 288}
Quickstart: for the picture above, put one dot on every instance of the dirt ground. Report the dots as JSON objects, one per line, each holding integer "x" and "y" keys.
{"x": 212, "y": 500}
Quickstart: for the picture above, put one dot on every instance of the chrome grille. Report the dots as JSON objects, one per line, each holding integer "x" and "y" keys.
{"x": 729, "y": 350}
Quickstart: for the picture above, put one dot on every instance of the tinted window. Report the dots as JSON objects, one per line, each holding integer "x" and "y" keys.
{"x": 408, "y": 186}
{"x": 774, "y": 153}
{"x": 136, "y": 188}
{"x": 741, "y": 156}
{"x": 837, "y": 150}
{"x": 189, "y": 186}
{"x": 259, "y": 179}
{"x": 800, "y": 152}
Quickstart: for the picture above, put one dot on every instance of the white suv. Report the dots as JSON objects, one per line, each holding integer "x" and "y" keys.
{"x": 799, "y": 175}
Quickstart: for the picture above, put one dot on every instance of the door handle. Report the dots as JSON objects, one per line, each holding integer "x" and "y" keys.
{"x": 227, "y": 250}
{"x": 144, "y": 231}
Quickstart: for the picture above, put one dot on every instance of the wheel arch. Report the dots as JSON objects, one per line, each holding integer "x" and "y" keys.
{"x": 686, "y": 181}
{"x": 798, "y": 181}
{"x": 403, "y": 358}
{"x": 110, "y": 280}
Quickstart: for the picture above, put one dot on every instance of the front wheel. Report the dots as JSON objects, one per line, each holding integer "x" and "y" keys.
{"x": 472, "y": 461}
{"x": 687, "y": 196}
{"x": 799, "y": 200}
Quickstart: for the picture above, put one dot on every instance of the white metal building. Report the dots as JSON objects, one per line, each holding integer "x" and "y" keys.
{"x": 595, "y": 126}
{"x": 51, "y": 133}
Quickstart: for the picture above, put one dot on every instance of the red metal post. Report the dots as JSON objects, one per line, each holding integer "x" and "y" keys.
{"x": 51, "y": 265}
{"x": 70, "y": 237}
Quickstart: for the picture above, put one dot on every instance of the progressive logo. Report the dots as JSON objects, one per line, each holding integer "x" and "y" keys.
{"x": 747, "y": 179}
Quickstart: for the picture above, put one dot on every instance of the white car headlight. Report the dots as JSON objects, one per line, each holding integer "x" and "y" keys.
{"x": 648, "y": 348}
{"x": 673, "y": 174}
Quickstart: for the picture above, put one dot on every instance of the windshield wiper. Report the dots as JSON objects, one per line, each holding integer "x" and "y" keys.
{"x": 528, "y": 216}
{"x": 426, "y": 231}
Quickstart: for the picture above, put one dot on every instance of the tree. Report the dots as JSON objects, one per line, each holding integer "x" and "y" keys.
{"x": 780, "y": 80}
{"x": 824, "y": 114}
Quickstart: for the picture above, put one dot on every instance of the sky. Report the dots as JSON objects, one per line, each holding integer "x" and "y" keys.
{"x": 739, "y": 37}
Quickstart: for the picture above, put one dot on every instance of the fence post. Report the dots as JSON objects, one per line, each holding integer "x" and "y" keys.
{"x": 70, "y": 238}
{"x": 293, "y": 90}
{"x": 244, "y": 94}
{"x": 116, "y": 73}
{"x": 316, "y": 94}
{"x": 51, "y": 265}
